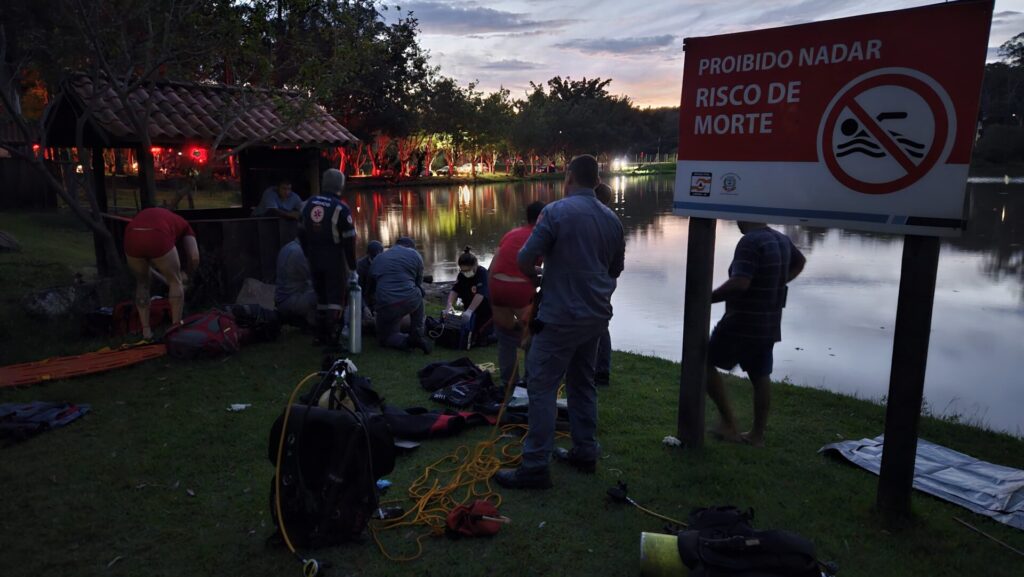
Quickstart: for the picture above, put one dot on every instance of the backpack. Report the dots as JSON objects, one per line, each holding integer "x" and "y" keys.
{"x": 258, "y": 325}
{"x": 450, "y": 332}
{"x": 203, "y": 336}
{"x": 720, "y": 542}
{"x": 330, "y": 464}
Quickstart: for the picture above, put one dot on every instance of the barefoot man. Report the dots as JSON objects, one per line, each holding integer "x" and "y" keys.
{"x": 764, "y": 262}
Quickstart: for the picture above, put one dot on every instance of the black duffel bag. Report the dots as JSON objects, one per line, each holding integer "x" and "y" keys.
{"x": 720, "y": 542}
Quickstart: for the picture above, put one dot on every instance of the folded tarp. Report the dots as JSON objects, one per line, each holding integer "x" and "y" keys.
{"x": 985, "y": 488}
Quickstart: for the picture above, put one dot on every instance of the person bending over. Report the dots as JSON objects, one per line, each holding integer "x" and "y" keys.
{"x": 151, "y": 242}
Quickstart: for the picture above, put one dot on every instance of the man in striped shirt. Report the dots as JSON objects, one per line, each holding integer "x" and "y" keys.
{"x": 755, "y": 294}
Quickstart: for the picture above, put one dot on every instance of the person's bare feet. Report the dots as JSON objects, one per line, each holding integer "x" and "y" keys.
{"x": 727, "y": 433}
{"x": 751, "y": 439}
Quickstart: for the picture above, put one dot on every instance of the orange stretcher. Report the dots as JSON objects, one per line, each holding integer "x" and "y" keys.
{"x": 56, "y": 368}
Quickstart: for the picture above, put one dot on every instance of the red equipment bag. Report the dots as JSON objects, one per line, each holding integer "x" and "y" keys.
{"x": 480, "y": 519}
{"x": 203, "y": 336}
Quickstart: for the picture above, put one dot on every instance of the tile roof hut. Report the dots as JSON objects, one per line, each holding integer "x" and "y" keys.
{"x": 280, "y": 134}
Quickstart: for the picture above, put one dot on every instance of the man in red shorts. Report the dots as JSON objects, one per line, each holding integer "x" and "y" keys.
{"x": 151, "y": 242}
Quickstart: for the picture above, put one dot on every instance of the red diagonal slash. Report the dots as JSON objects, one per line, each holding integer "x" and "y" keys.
{"x": 882, "y": 136}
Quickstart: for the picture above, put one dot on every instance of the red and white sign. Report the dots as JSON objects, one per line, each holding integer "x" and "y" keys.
{"x": 864, "y": 122}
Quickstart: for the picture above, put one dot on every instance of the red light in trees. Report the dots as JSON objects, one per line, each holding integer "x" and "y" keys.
{"x": 35, "y": 148}
{"x": 198, "y": 155}
{"x": 156, "y": 150}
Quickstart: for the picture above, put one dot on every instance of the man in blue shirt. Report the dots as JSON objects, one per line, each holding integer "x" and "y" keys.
{"x": 294, "y": 297}
{"x": 280, "y": 201}
{"x": 395, "y": 279}
{"x": 583, "y": 247}
{"x": 763, "y": 264}
{"x": 327, "y": 234}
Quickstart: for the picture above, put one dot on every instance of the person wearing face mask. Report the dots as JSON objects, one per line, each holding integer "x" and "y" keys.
{"x": 471, "y": 288}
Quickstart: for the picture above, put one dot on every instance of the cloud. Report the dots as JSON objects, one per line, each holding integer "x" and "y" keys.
{"x": 511, "y": 64}
{"x": 640, "y": 45}
{"x": 463, "y": 18}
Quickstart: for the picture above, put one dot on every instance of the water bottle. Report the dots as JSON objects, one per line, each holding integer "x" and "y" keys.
{"x": 355, "y": 327}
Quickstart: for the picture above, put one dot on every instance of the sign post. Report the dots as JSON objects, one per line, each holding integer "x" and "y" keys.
{"x": 700, "y": 268}
{"x": 862, "y": 123}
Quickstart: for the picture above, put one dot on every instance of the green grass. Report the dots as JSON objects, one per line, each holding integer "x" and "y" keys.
{"x": 115, "y": 484}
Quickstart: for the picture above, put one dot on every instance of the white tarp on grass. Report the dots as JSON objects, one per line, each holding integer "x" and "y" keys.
{"x": 985, "y": 488}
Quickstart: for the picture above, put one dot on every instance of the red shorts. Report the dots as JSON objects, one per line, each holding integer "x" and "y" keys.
{"x": 147, "y": 242}
{"x": 514, "y": 295}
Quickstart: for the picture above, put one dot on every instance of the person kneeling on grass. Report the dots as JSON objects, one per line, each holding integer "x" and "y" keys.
{"x": 294, "y": 297}
{"x": 471, "y": 288}
{"x": 396, "y": 277}
{"x": 764, "y": 262}
{"x": 151, "y": 242}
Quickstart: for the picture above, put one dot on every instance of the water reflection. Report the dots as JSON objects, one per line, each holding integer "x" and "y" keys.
{"x": 837, "y": 330}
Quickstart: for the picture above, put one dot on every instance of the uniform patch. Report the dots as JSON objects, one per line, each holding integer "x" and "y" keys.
{"x": 317, "y": 214}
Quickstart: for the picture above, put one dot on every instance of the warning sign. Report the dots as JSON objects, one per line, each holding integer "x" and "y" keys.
{"x": 864, "y": 122}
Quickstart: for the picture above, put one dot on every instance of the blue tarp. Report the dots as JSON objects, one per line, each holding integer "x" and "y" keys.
{"x": 985, "y": 488}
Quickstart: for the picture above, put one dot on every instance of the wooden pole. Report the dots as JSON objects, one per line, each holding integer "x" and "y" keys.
{"x": 99, "y": 180}
{"x": 700, "y": 268}
{"x": 906, "y": 379}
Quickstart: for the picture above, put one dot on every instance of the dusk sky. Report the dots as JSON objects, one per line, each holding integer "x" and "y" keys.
{"x": 637, "y": 44}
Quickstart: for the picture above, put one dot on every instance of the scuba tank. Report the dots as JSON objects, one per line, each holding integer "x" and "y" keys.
{"x": 355, "y": 326}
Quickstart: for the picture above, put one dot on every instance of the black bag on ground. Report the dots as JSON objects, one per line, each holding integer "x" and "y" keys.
{"x": 720, "y": 542}
{"x": 450, "y": 332}
{"x": 331, "y": 462}
{"x": 443, "y": 373}
{"x": 259, "y": 325}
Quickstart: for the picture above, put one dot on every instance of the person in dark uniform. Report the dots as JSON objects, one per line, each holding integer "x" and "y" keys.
{"x": 471, "y": 288}
{"x": 327, "y": 234}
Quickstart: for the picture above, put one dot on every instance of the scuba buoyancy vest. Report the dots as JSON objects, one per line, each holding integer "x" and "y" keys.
{"x": 330, "y": 463}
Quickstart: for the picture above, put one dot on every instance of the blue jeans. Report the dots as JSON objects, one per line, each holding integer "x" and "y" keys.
{"x": 556, "y": 351}
{"x": 604, "y": 354}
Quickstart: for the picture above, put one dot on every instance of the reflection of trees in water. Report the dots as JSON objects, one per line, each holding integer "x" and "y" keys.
{"x": 995, "y": 230}
{"x": 445, "y": 219}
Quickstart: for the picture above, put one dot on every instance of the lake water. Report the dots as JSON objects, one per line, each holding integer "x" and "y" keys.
{"x": 837, "y": 329}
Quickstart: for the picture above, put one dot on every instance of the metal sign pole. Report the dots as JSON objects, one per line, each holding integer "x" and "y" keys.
{"x": 700, "y": 268}
{"x": 906, "y": 379}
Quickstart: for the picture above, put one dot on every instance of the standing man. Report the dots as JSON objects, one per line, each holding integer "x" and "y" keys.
{"x": 396, "y": 277}
{"x": 764, "y": 262}
{"x": 327, "y": 234}
{"x": 583, "y": 247}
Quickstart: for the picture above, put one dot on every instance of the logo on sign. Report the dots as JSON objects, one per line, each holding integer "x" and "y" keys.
{"x": 700, "y": 184}
{"x": 886, "y": 130}
{"x": 730, "y": 182}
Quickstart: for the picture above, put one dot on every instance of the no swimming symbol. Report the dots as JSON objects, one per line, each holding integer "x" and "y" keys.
{"x": 886, "y": 130}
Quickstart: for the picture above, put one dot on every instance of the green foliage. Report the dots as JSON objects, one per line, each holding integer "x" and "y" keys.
{"x": 1001, "y": 145}
{"x": 1013, "y": 50}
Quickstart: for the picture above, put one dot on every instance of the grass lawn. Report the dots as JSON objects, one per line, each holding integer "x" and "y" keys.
{"x": 160, "y": 477}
